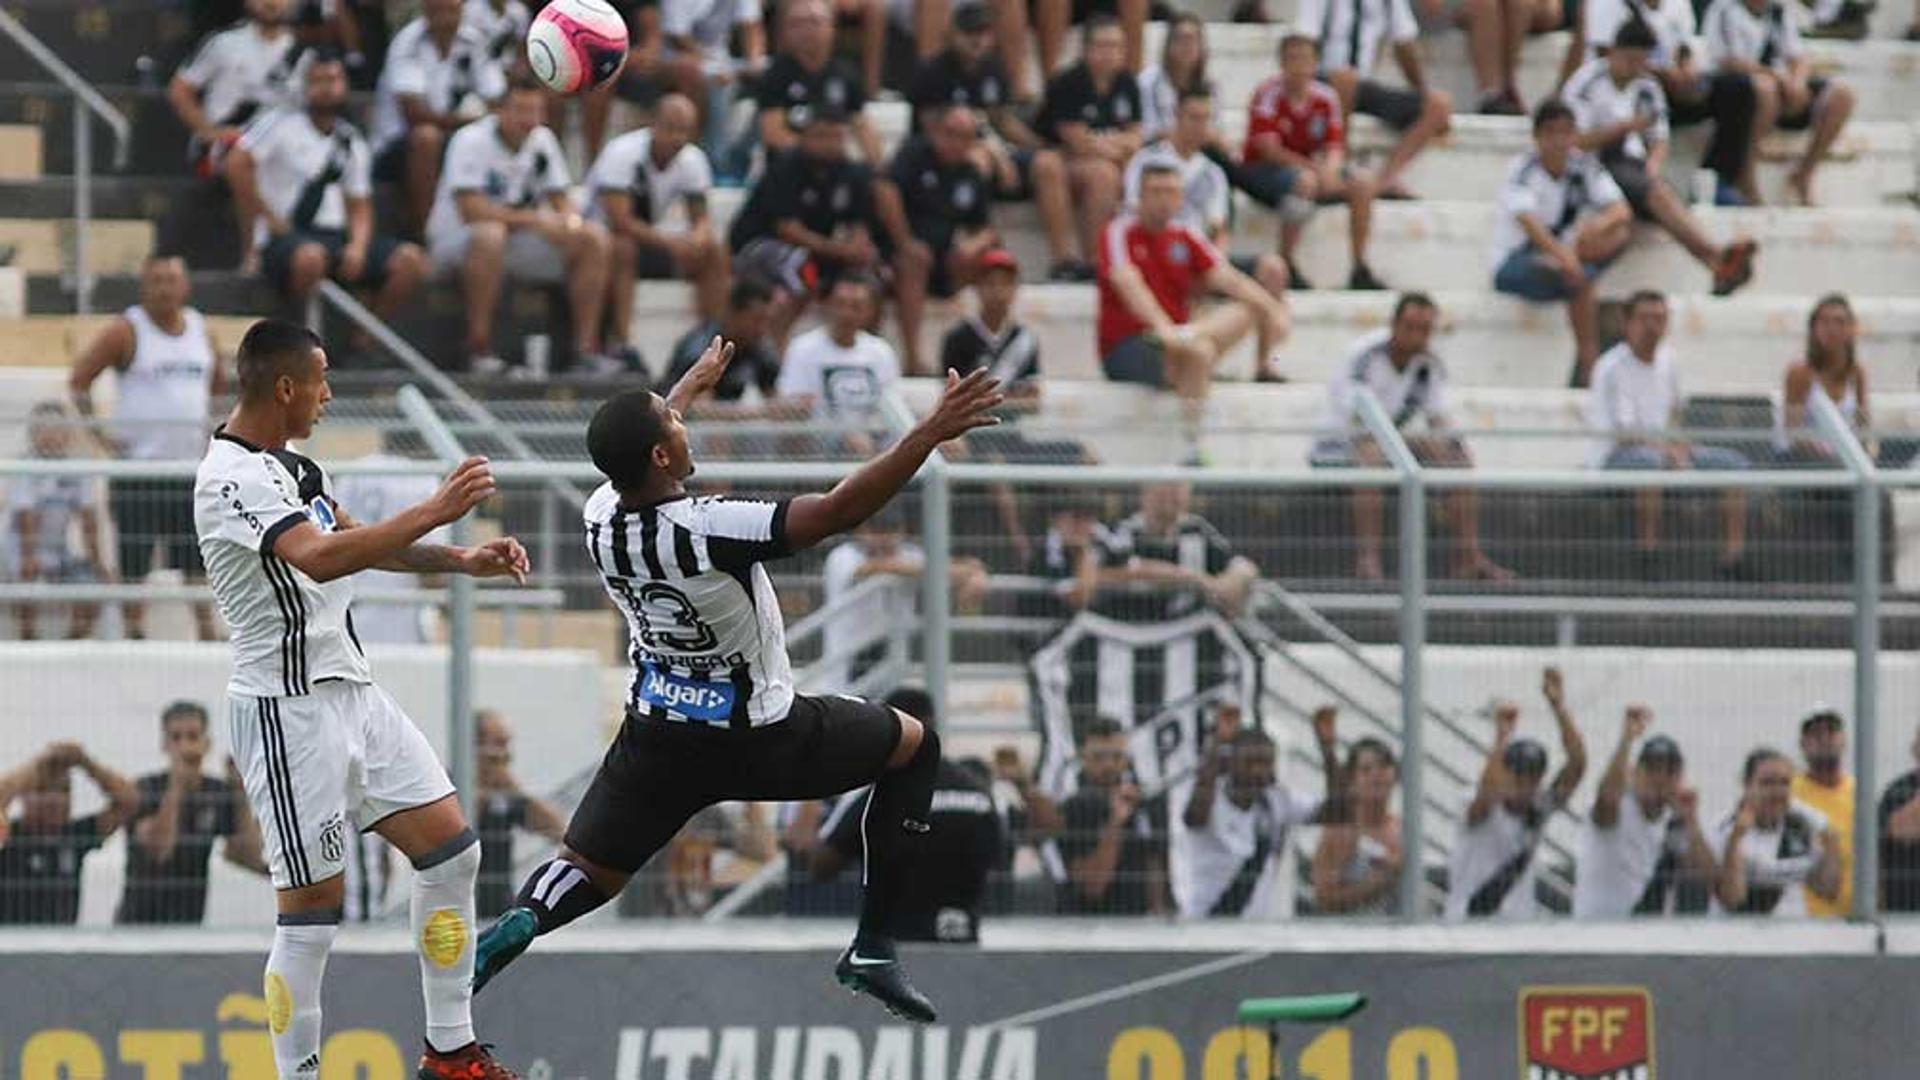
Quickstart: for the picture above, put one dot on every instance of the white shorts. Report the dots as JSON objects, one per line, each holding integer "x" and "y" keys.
{"x": 530, "y": 257}
{"x": 340, "y": 758}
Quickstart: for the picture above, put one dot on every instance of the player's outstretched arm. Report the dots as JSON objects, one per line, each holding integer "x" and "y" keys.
{"x": 703, "y": 376}
{"x": 966, "y": 403}
{"x": 326, "y": 556}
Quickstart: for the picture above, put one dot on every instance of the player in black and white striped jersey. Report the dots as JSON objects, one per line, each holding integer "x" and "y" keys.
{"x": 711, "y": 713}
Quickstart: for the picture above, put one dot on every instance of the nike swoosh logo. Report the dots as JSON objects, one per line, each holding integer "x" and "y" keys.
{"x": 862, "y": 961}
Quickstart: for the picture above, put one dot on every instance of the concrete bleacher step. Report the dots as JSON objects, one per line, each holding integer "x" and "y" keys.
{"x": 42, "y": 246}
{"x": 21, "y": 152}
{"x": 158, "y": 141}
{"x": 54, "y": 340}
{"x": 103, "y": 39}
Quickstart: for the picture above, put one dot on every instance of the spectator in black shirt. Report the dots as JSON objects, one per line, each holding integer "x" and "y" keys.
{"x": 1165, "y": 562}
{"x": 1900, "y": 841}
{"x": 41, "y": 851}
{"x": 503, "y": 808}
{"x": 748, "y": 317}
{"x": 969, "y": 73}
{"x": 1114, "y": 843}
{"x": 933, "y": 204}
{"x": 991, "y": 338}
{"x": 809, "y": 221}
{"x": 804, "y": 78}
{"x": 1090, "y": 120}
{"x": 1073, "y": 516}
{"x": 182, "y": 812}
{"x": 945, "y": 891}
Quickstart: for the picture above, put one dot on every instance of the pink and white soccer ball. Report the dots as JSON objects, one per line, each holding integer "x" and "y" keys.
{"x": 576, "y": 45}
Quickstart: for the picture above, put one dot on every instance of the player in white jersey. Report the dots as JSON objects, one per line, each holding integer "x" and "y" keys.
{"x": 1642, "y": 843}
{"x": 323, "y": 751}
{"x": 712, "y": 714}
{"x": 167, "y": 368}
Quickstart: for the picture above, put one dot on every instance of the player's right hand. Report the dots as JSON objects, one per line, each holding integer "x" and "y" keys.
{"x": 965, "y": 404}
{"x": 465, "y": 488}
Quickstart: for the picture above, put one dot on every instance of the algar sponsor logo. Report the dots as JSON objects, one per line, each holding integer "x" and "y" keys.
{"x": 685, "y": 696}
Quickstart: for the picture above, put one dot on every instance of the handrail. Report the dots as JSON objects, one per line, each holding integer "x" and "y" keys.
{"x": 85, "y": 100}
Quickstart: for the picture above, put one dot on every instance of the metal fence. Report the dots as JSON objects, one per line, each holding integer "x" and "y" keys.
{"x": 1043, "y": 647}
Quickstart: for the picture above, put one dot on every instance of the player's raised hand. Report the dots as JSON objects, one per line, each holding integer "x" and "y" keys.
{"x": 503, "y": 557}
{"x": 704, "y": 375}
{"x": 1639, "y": 719}
{"x": 1553, "y": 686}
{"x": 1506, "y": 717}
{"x": 965, "y": 403}
{"x": 465, "y": 488}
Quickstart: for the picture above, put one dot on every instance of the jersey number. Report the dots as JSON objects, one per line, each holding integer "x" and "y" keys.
{"x": 668, "y": 620}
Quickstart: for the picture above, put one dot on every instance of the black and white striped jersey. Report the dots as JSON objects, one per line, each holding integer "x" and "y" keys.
{"x": 289, "y": 631}
{"x": 708, "y": 642}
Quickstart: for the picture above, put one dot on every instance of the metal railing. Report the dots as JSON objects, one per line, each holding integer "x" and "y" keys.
{"x": 87, "y": 103}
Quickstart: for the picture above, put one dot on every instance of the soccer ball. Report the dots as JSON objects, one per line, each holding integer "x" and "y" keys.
{"x": 576, "y": 45}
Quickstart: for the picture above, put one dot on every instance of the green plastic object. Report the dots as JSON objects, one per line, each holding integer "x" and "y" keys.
{"x": 1312, "y": 1009}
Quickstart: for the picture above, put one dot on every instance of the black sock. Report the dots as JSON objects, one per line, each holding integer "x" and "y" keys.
{"x": 895, "y": 819}
{"x": 558, "y": 893}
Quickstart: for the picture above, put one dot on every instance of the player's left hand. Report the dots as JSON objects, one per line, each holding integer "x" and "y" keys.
{"x": 503, "y": 557}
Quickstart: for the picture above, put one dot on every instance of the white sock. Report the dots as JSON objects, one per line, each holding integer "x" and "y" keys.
{"x": 443, "y": 917}
{"x": 294, "y": 969}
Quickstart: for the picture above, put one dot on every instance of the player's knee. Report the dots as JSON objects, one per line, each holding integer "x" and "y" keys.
{"x": 456, "y": 860}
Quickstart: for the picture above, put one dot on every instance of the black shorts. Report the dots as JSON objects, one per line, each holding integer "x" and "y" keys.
{"x": 652, "y": 263}
{"x": 1630, "y": 174}
{"x": 1394, "y": 106}
{"x": 1267, "y": 182}
{"x": 1803, "y": 119}
{"x": 146, "y": 512}
{"x": 276, "y": 259}
{"x": 659, "y": 773}
{"x": 1138, "y": 359}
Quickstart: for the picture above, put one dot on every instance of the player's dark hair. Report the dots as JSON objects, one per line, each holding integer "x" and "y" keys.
{"x": 1367, "y": 744}
{"x": 1246, "y": 737}
{"x": 1760, "y": 756}
{"x": 1292, "y": 40}
{"x": 1096, "y": 22}
{"x": 1643, "y": 296}
{"x": 272, "y": 348}
{"x": 1550, "y": 110}
{"x": 747, "y": 292}
{"x": 191, "y": 710}
{"x": 324, "y": 54}
{"x": 1412, "y": 300}
{"x": 915, "y": 702}
{"x": 1635, "y": 34}
{"x": 621, "y": 438}
{"x": 1101, "y": 727}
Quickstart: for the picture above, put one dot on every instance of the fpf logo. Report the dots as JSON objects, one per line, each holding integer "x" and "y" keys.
{"x": 1586, "y": 1033}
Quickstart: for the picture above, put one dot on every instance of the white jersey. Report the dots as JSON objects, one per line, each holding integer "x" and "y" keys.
{"x": 1556, "y": 202}
{"x": 1350, "y": 31}
{"x": 1630, "y": 868}
{"x": 660, "y": 193}
{"x": 1414, "y": 396}
{"x": 1778, "y": 861}
{"x": 1232, "y": 867}
{"x": 290, "y": 632}
{"x": 1207, "y": 197}
{"x": 374, "y": 497}
{"x": 479, "y": 160}
{"x": 1160, "y": 101}
{"x": 1632, "y": 398}
{"x": 451, "y": 81}
{"x": 708, "y": 642}
{"x": 1493, "y": 863}
{"x": 1597, "y": 101}
{"x": 241, "y": 71}
{"x": 160, "y": 412}
{"x": 1733, "y": 32}
{"x": 846, "y": 381}
{"x": 307, "y": 176}
{"x": 880, "y": 612}
{"x": 504, "y": 29}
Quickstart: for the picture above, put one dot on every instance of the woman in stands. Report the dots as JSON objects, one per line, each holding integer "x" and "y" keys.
{"x": 1182, "y": 69}
{"x": 1356, "y": 868}
{"x": 1829, "y": 366}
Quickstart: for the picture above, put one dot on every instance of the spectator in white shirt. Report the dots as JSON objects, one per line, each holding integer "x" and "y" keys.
{"x": 650, "y": 188}
{"x": 44, "y": 513}
{"x": 858, "y": 637}
{"x": 839, "y": 370}
{"x": 1493, "y": 873}
{"x": 503, "y": 209}
{"x": 1641, "y": 850}
{"x": 1773, "y": 849}
{"x": 1622, "y": 113}
{"x": 1830, "y": 365}
{"x": 1182, "y": 69}
{"x": 1239, "y": 818}
{"x": 503, "y": 24}
{"x": 1761, "y": 39}
{"x": 1397, "y": 365}
{"x": 1635, "y": 404}
{"x": 439, "y": 76}
{"x": 1351, "y": 33}
{"x": 697, "y": 57}
{"x": 306, "y": 176}
{"x": 1561, "y": 221}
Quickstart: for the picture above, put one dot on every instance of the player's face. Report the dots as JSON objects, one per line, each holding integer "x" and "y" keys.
{"x": 327, "y": 86}
{"x": 1160, "y": 197}
{"x": 163, "y": 286}
{"x": 1555, "y": 141}
{"x": 1298, "y": 62}
{"x": 1106, "y": 51}
{"x": 1103, "y": 761}
{"x": 1413, "y": 329}
{"x": 443, "y": 16}
{"x": 185, "y": 739}
{"x": 674, "y": 454}
{"x": 1373, "y": 778}
{"x": 305, "y": 396}
{"x": 1770, "y": 790}
{"x": 523, "y": 111}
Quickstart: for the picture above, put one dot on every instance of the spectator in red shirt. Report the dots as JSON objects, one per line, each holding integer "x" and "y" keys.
{"x": 1296, "y": 156}
{"x": 1149, "y": 270}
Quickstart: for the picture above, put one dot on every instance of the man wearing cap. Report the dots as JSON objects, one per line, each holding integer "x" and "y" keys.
{"x": 1492, "y": 872}
{"x": 1826, "y": 786}
{"x": 1638, "y": 854}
